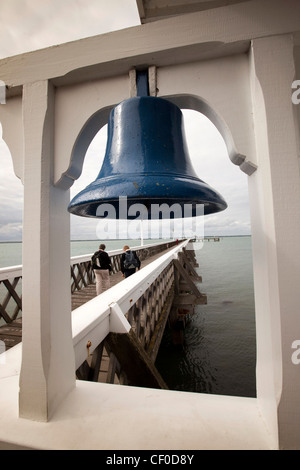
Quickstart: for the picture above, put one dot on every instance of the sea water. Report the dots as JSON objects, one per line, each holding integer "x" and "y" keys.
{"x": 219, "y": 351}
{"x": 11, "y": 252}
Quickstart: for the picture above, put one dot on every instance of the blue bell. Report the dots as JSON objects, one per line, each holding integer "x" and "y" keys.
{"x": 146, "y": 162}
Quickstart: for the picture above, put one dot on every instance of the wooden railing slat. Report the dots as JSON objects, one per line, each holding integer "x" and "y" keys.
{"x": 12, "y": 292}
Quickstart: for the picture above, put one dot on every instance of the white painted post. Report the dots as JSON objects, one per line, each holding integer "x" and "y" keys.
{"x": 275, "y": 205}
{"x": 48, "y": 369}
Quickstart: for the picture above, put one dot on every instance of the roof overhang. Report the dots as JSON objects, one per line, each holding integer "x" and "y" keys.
{"x": 152, "y": 10}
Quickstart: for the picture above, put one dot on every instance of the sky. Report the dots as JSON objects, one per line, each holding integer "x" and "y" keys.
{"x": 27, "y": 25}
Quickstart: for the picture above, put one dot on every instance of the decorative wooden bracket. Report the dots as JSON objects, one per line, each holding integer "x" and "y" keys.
{"x": 136, "y": 363}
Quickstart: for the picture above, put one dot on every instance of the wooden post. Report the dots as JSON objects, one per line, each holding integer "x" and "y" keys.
{"x": 186, "y": 295}
{"x": 275, "y": 205}
{"x": 48, "y": 368}
{"x": 136, "y": 363}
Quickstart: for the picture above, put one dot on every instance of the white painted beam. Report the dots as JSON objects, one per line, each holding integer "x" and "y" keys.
{"x": 153, "y": 10}
{"x": 226, "y": 101}
{"x": 97, "y": 416}
{"x": 274, "y": 192}
{"x": 188, "y": 37}
{"x": 47, "y": 373}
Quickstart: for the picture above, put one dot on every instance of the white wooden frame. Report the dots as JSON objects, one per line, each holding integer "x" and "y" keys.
{"x": 263, "y": 126}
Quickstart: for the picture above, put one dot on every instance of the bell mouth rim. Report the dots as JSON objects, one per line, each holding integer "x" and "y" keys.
{"x": 90, "y": 209}
{"x": 139, "y": 189}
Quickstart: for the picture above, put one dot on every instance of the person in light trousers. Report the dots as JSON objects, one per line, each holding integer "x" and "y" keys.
{"x": 102, "y": 266}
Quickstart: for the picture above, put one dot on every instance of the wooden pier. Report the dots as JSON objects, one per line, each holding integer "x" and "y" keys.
{"x": 83, "y": 288}
{"x": 125, "y": 358}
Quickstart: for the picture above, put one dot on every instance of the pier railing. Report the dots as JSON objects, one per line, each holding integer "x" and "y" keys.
{"x": 117, "y": 335}
{"x": 81, "y": 276}
{"x": 81, "y": 269}
{"x": 10, "y": 293}
{"x": 128, "y": 320}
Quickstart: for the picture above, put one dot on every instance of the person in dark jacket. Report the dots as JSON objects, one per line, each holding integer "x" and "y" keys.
{"x": 129, "y": 261}
{"x": 101, "y": 265}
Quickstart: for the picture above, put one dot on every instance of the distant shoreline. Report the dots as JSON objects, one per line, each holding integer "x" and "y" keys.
{"x": 97, "y": 240}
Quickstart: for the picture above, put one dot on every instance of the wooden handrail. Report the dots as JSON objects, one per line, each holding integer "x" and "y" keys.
{"x": 81, "y": 275}
{"x": 139, "y": 298}
{"x": 132, "y": 313}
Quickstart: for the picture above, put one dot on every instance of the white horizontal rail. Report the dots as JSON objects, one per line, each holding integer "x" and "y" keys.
{"x": 87, "y": 257}
{"x": 93, "y": 321}
{"x": 10, "y": 273}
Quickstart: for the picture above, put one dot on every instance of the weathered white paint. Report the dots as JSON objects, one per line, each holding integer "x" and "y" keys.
{"x": 150, "y": 10}
{"x": 47, "y": 372}
{"x": 167, "y": 42}
{"x": 231, "y": 114}
{"x": 117, "y": 320}
{"x": 11, "y": 362}
{"x": 113, "y": 417}
{"x": 174, "y": 40}
{"x": 276, "y": 233}
{"x": 80, "y": 112}
{"x": 237, "y": 63}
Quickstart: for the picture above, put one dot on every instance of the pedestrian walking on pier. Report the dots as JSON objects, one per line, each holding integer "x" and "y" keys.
{"x": 129, "y": 261}
{"x": 101, "y": 265}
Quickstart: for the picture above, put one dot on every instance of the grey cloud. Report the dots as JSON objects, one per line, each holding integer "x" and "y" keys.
{"x": 35, "y": 24}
